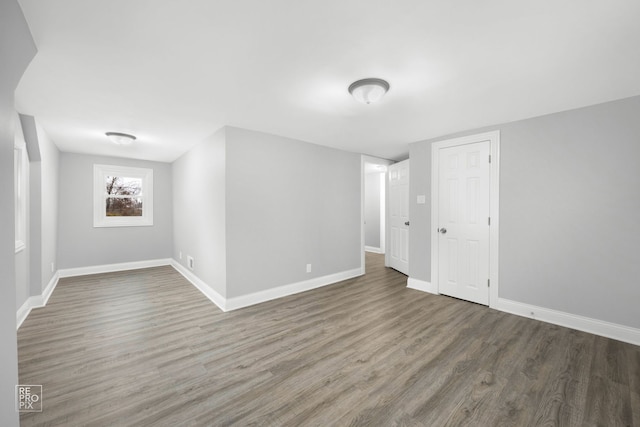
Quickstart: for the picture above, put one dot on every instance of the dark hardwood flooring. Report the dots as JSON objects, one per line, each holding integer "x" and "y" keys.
{"x": 145, "y": 348}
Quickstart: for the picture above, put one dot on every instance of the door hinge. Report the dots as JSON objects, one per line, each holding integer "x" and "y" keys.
{"x": 489, "y": 220}
{"x": 489, "y": 158}
{"x": 488, "y": 283}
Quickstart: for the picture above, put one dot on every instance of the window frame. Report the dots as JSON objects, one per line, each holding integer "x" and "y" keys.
{"x": 100, "y": 218}
{"x": 20, "y": 197}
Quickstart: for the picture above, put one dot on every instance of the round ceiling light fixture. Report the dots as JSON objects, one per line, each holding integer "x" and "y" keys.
{"x": 369, "y": 90}
{"x": 120, "y": 138}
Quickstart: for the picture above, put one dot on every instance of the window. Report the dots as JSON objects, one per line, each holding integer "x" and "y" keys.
{"x": 123, "y": 196}
{"x": 19, "y": 201}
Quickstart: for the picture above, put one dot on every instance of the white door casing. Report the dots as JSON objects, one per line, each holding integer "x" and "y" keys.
{"x": 464, "y": 244}
{"x": 399, "y": 216}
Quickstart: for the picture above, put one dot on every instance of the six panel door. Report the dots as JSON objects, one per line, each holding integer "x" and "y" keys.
{"x": 463, "y": 218}
{"x": 399, "y": 216}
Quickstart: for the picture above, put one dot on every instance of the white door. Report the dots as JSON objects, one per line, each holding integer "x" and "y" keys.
{"x": 399, "y": 216}
{"x": 463, "y": 221}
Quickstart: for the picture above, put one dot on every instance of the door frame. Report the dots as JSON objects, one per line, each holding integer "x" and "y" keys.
{"x": 494, "y": 203}
{"x": 364, "y": 159}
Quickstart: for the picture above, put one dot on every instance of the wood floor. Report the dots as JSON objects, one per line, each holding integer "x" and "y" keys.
{"x": 145, "y": 348}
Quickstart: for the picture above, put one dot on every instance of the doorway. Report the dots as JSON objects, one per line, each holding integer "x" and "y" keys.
{"x": 464, "y": 215}
{"x": 374, "y": 214}
{"x": 375, "y": 208}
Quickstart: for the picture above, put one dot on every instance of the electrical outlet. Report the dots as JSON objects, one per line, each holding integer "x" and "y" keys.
{"x": 53, "y": 267}
{"x": 190, "y": 262}
{"x": 180, "y": 255}
{"x": 308, "y": 268}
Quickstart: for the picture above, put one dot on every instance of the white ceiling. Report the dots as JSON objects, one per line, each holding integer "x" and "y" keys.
{"x": 173, "y": 72}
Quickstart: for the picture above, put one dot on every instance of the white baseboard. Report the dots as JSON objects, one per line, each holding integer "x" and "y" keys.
{"x": 207, "y": 290}
{"x": 581, "y": 323}
{"x": 36, "y": 301}
{"x": 49, "y": 289}
{"x": 25, "y": 309}
{"x": 41, "y": 300}
{"x": 286, "y": 290}
{"x": 228, "y": 304}
{"x": 374, "y": 250}
{"x": 573, "y": 321}
{"x": 220, "y": 301}
{"x": 111, "y": 268}
{"x": 421, "y": 285}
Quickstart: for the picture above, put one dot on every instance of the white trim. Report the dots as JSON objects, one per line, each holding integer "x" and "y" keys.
{"x": 291, "y": 289}
{"x": 235, "y": 303}
{"x": 374, "y": 250}
{"x": 364, "y": 159}
{"x": 41, "y": 300}
{"x": 110, "y": 268}
{"x": 46, "y": 294}
{"x": 206, "y": 290}
{"x": 494, "y": 191}
{"x": 383, "y": 211}
{"x": 36, "y": 301}
{"x": 494, "y": 213}
{"x": 581, "y": 323}
{"x": 25, "y": 309}
{"x": 100, "y": 219}
{"x": 362, "y": 219}
{"x": 421, "y": 285}
{"x": 573, "y": 321}
{"x": 387, "y": 216}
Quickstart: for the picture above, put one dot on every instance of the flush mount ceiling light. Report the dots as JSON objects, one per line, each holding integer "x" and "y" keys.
{"x": 368, "y": 90}
{"x": 120, "y": 138}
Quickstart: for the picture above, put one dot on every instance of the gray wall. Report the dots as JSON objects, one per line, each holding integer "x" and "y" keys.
{"x": 82, "y": 245}
{"x": 569, "y": 200}
{"x": 420, "y": 215}
{"x": 372, "y": 210}
{"x": 16, "y": 51}
{"x": 32, "y": 257}
{"x": 22, "y": 258}
{"x": 49, "y": 207}
{"x": 199, "y": 228}
{"x": 253, "y": 209}
{"x": 33, "y": 265}
{"x": 34, "y": 227}
{"x": 289, "y": 203}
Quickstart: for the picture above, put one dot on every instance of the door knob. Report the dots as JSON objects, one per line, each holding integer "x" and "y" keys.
{"x": 406, "y": 223}
{"x": 442, "y": 230}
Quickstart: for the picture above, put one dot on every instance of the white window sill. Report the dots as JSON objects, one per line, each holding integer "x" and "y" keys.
{"x": 114, "y": 222}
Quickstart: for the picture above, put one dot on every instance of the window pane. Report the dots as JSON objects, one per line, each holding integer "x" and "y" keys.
{"x": 124, "y": 206}
{"x": 123, "y": 186}
{"x": 123, "y": 196}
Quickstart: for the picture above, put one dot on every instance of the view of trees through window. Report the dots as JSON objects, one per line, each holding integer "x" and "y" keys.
{"x": 123, "y": 196}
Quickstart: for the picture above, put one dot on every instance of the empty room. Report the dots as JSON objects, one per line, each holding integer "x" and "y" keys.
{"x": 337, "y": 213}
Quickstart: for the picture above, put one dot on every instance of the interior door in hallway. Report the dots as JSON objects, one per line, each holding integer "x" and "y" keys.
{"x": 399, "y": 216}
{"x": 463, "y": 221}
